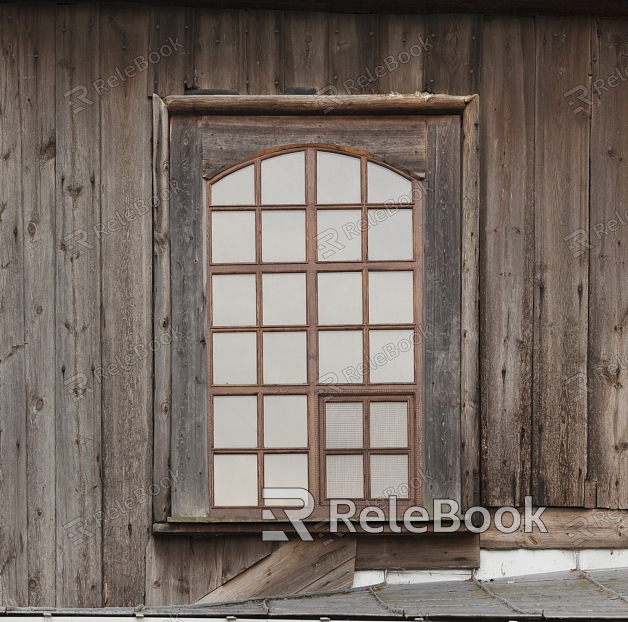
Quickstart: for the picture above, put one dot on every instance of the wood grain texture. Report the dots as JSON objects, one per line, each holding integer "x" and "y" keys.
{"x": 433, "y": 552}
{"x": 507, "y": 168}
{"x": 229, "y": 140}
{"x": 206, "y": 561}
{"x": 126, "y": 307}
{"x": 189, "y": 497}
{"x": 263, "y": 34}
{"x": 452, "y": 66}
{"x": 78, "y": 331}
{"x": 470, "y": 309}
{"x": 162, "y": 314}
{"x": 37, "y": 89}
{"x": 306, "y": 50}
{"x": 402, "y": 46}
{"x": 168, "y": 571}
{"x": 441, "y": 309}
{"x": 330, "y": 566}
{"x": 608, "y": 289}
{"x": 13, "y": 359}
{"x": 559, "y": 427}
{"x": 567, "y": 528}
{"x": 170, "y": 75}
{"x": 219, "y": 50}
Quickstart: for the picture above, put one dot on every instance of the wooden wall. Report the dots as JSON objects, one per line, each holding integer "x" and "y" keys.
{"x": 72, "y": 445}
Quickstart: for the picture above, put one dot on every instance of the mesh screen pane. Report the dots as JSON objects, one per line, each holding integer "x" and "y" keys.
{"x": 343, "y": 425}
{"x": 345, "y": 477}
{"x": 389, "y": 424}
{"x": 389, "y": 476}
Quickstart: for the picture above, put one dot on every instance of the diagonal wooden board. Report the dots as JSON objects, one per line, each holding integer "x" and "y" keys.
{"x": 297, "y": 567}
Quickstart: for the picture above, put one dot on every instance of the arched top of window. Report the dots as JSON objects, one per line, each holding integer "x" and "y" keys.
{"x": 339, "y": 178}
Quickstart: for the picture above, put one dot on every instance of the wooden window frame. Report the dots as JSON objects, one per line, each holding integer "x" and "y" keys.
{"x": 170, "y": 428}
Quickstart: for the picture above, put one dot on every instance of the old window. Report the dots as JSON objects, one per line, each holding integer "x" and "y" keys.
{"x": 323, "y": 278}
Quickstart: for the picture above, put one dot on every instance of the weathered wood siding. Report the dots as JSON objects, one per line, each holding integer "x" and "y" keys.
{"x": 76, "y": 268}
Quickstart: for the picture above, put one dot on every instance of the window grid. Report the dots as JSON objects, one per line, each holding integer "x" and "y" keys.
{"x": 312, "y": 267}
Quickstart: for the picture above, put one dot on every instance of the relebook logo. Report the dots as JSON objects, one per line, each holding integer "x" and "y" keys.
{"x": 372, "y": 519}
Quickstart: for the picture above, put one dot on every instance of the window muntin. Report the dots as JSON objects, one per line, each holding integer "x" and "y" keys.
{"x": 323, "y": 279}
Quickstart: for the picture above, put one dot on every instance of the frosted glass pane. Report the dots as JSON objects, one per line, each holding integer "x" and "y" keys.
{"x": 283, "y": 235}
{"x": 337, "y": 179}
{"x": 233, "y": 237}
{"x": 390, "y": 234}
{"x": 285, "y": 421}
{"x": 339, "y": 298}
{"x": 389, "y": 476}
{"x": 385, "y": 185}
{"x": 285, "y": 471}
{"x": 234, "y": 358}
{"x": 237, "y": 188}
{"x": 345, "y": 477}
{"x": 233, "y": 300}
{"x": 235, "y": 480}
{"x": 338, "y": 236}
{"x": 283, "y": 299}
{"x": 285, "y": 358}
{"x": 389, "y": 424}
{"x": 344, "y": 425}
{"x": 235, "y": 421}
{"x": 392, "y": 355}
{"x": 391, "y": 297}
{"x": 340, "y": 359}
{"x": 283, "y": 179}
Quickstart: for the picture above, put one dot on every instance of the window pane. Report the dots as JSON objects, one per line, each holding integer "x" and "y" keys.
{"x": 283, "y": 179}
{"x": 283, "y": 236}
{"x": 338, "y": 235}
{"x": 233, "y": 300}
{"x": 337, "y": 179}
{"x": 237, "y": 188}
{"x": 390, "y": 234}
{"x": 345, "y": 477}
{"x": 234, "y": 358}
{"x": 339, "y": 298}
{"x": 340, "y": 357}
{"x": 386, "y": 185}
{"x": 285, "y": 421}
{"x": 391, "y": 298}
{"x": 233, "y": 237}
{"x": 343, "y": 425}
{"x": 235, "y": 421}
{"x": 283, "y": 299}
{"x": 389, "y": 476}
{"x": 235, "y": 480}
{"x": 285, "y": 471}
{"x": 392, "y": 355}
{"x": 389, "y": 424}
{"x": 285, "y": 358}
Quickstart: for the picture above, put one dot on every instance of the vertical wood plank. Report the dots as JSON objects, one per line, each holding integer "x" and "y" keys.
{"x": 13, "y": 508}
{"x": 353, "y": 53}
{"x": 162, "y": 396}
{"x": 206, "y": 559}
{"x": 452, "y": 66}
{"x": 264, "y": 52}
{"x": 168, "y": 571}
{"x": 190, "y": 496}
{"x": 402, "y": 48}
{"x": 171, "y": 26}
{"x": 78, "y": 351}
{"x": 441, "y": 308}
{"x": 37, "y": 90}
{"x": 306, "y": 49}
{"x": 559, "y": 433}
{"x": 507, "y": 166}
{"x": 219, "y": 50}
{"x": 126, "y": 306}
{"x": 608, "y": 286}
